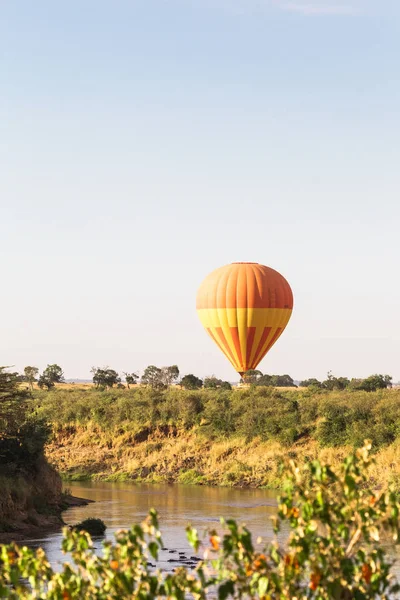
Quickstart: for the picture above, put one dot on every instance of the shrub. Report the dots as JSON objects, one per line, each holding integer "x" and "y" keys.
{"x": 92, "y": 526}
{"x": 333, "y": 418}
{"x": 23, "y": 434}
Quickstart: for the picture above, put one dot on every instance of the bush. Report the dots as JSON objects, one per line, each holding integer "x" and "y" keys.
{"x": 92, "y": 526}
{"x": 333, "y": 418}
{"x": 335, "y": 550}
{"x": 23, "y": 434}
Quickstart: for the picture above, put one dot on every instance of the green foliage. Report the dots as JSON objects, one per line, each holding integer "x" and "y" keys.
{"x": 267, "y": 415}
{"x": 311, "y": 383}
{"x": 51, "y": 375}
{"x": 191, "y": 382}
{"x": 333, "y": 418}
{"x": 335, "y": 550}
{"x": 92, "y": 526}
{"x": 213, "y": 383}
{"x": 131, "y": 378}
{"x": 252, "y": 376}
{"x": 372, "y": 383}
{"x": 160, "y": 379}
{"x": 22, "y": 433}
{"x": 152, "y": 376}
{"x": 335, "y": 383}
{"x": 255, "y": 377}
{"x": 30, "y": 375}
{"x": 105, "y": 377}
{"x": 169, "y": 375}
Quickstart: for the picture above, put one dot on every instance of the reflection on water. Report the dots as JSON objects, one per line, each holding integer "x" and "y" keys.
{"x": 122, "y": 504}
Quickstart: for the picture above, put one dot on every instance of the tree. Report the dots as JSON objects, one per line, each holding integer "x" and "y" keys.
{"x": 160, "y": 378}
{"x": 335, "y": 383}
{"x": 105, "y": 377}
{"x": 275, "y": 380}
{"x": 214, "y": 383}
{"x": 191, "y": 382}
{"x": 284, "y": 381}
{"x": 372, "y": 383}
{"x": 22, "y": 434}
{"x": 51, "y": 375}
{"x": 252, "y": 376}
{"x": 152, "y": 376}
{"x": 265, "y": 380}
{"x": 31, "y": 374}
{"x": 311, "y": 382}
{"x": 131, "y": 378}
{"x": 225, "y": 385}
{"x": 169, "y": 375}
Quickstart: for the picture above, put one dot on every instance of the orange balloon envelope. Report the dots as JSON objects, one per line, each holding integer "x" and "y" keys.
{"x": 244, "y": 307}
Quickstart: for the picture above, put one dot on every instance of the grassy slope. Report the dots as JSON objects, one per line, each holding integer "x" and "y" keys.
{"x": 218, "y": 438}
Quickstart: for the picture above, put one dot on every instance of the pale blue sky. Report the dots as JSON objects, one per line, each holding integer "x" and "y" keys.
{"x": 144, "y": 143}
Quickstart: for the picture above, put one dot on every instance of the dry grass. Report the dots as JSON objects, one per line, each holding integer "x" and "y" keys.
{"x": 191, "y": 458}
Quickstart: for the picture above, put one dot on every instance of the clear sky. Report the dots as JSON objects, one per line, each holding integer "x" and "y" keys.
{"x": 144, "y": 143}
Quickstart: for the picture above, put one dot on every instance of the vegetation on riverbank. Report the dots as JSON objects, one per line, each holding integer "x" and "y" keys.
{"x": 30, "y": 497}
{"x": 216, "y": 437}
{"x": 336, "y": 548}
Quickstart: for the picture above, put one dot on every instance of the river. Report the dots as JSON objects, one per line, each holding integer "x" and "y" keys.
{"x": 120, "y": 505}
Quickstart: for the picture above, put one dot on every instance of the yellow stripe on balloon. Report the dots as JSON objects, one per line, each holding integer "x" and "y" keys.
{"x": 255, "y": 317}
{"x": 226, "y": 324}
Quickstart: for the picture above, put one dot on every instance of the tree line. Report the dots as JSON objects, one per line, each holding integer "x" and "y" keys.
{"x": 369, "y": 384}
{"x": 105, "y": 377}
{"x": 162, "y": 377}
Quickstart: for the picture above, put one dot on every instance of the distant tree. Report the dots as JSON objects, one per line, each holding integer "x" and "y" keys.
{"x": 169, "y": 375}
{"x": 311, "y": 382}
{"x": 284, "y": 381}
{"x": 191, "y": 382}
{"x": 212, "y": 382}
{"x": 153, "y": 377}
{"x": 372, "y": 383}
{"x": 215, "y": 383}
{"x": 225, "y": 385}
{"x": 105, "y": 377}
{"x": 131, "y": 378}
{"x": 265, "y": 380}
{"x": 51, "y": 375}
{"x": 274, "y": 380}
{"x": 335, "y": 383}
{"x": 31, "y": 374}
{"x": 160, "y": 378}
{"x": 252, "y": 376}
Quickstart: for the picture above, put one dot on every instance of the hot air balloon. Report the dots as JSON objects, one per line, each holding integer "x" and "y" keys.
{"x": 244, "y": 307}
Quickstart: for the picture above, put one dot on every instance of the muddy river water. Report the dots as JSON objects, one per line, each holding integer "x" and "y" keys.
{"x": 120, "y": 505}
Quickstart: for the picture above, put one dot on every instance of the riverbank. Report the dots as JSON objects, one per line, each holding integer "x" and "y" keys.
{"x": 174, "y": 456}
{"x": 33, "y": 503}
{"x": 236, "y": 438}
{"x": 30, "y": 502}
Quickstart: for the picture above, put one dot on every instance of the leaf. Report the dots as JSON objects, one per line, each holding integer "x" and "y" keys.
{"x": 193, "y": 537}
{"x": 153, "y": 549}
{"x": 263, "y": 584}
{"x": 225, "y": 590}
